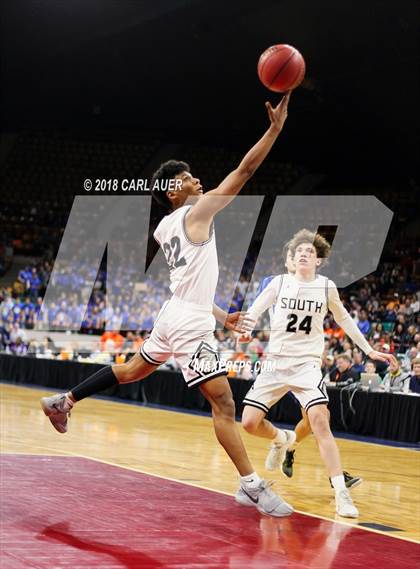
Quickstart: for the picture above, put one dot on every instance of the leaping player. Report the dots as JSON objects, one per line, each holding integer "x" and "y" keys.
{"x": 185, "y": 325}
{"x": 295, "y": 348}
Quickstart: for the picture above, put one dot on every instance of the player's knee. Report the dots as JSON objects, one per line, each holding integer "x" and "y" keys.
{"x": 224, "y": 405}
{"x": 320, "y": 424}
{"x": 250, "y": 423}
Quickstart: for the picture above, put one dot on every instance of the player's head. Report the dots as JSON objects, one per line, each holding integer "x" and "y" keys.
{"x": 309, "y": 250}
{"x": 288, "y": 259}
{"x": 183, "y": 185}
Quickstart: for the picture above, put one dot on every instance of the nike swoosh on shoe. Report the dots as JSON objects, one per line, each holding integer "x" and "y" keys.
{"x": 255, "y": 500}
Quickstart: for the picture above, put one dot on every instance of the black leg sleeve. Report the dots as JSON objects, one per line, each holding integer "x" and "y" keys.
{"x": 96, "y": 382}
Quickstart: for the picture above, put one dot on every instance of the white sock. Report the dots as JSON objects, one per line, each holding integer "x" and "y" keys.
{"x": 338, "y": 482}
{"x": 251, "y": 480}
{"x": 281, "y": 437}
{"x": 293, "y": 446}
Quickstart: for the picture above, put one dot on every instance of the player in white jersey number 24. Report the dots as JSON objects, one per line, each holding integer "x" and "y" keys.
{"x": 184, "y": 327}
{"x": 303, "y": 428}
{"x": 295, "y": 348}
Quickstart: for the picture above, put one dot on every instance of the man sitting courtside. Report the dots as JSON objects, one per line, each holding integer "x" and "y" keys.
{"x": 370, "y": 367}
{"x": 415, "y": 377}
{"x": 346, "y": 374}
{"x": 396, "y": 380}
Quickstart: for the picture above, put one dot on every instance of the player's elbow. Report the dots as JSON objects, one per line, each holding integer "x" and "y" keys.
{"x": 245, "y": 172}
{"x": 340, "y": 318}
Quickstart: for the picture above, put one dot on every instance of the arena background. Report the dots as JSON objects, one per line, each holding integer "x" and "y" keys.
{"x": 108, "y": 90}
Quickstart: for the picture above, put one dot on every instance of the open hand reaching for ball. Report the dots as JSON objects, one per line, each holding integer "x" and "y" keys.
{"x": 278, "y": 115}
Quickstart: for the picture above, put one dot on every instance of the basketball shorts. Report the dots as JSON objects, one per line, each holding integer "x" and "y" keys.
{"x": 185, "y": 331}
{"x": 303, "y": 380}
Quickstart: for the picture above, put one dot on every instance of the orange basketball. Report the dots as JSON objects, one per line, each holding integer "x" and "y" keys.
{"x": 281, "y": 68}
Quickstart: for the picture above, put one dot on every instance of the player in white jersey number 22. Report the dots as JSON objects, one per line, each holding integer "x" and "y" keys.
{"x": 185, "y": 325}
{"x": 295, "y": 348}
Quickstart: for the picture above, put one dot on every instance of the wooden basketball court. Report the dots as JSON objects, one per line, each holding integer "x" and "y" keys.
{"x": 176, "y": 454}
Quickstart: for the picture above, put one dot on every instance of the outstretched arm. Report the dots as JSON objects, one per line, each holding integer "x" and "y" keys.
{"x": 217, "y": 199}
{"x": 267, "y": 298}
{"x": 236, "y": 321}
{"x": 343, "y": 319}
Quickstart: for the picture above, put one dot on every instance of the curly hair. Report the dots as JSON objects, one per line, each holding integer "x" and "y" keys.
{"x": 167, "y": 171}
{"x": 321, "y": 245}
{"x": 285, "y": 250}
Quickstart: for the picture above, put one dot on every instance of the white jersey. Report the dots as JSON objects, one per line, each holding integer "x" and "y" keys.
{"x": 297, "y": 322}
{"x": 194, "y": 269}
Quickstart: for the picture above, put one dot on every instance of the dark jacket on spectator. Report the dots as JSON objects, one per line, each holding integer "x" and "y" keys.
{"x": 381, "y": 368}
{"x": 347, "y": 377}
{"x": 415, "y": 384}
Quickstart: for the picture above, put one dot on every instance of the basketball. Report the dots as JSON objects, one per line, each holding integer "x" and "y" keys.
{"x": 281, "y": 68}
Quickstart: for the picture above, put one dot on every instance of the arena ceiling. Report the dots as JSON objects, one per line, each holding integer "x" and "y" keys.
{"x": 189, "y": 67}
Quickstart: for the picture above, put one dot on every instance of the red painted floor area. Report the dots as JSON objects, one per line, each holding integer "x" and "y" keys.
{"x": 60, "y": 512}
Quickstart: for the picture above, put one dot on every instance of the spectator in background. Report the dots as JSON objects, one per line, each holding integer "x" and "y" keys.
{"x": 18, "y": 347}
{"x": 396, "y": 380}
{"x": 27, "y": 308}
{"x": 16, "y": 332}
{"x": 358, "y": 365}
{"x": 399, "y": 338}
{"x": 334, "y": 331}
{"x": 128, "y": 346}
{"x": 132, "y": 343}
{"x": 346, "y": 374}
{"x": 35, "y": 283}
{"x": 62, "y": 319}
{"x": 24, "y": 279}
{"x": 363, "y": 324}
{"x": 415, "y": 377}
{"x": 48, "y": 346}
{"x": 410, "y": 356}
{"x": 112, "y": 342}
{"x": 348, "y": 348}
{"x": 381, "y": 367}
{"x": 329, "y": 369}
{"x": 116, "y": 319}
{"x": 415, "y": 305}
{"x": 4, "y": 337}
{"x": 391, "y": 313}
{"x": 405, "y": 308}
{"x": 370, "y": 367}
{"x": 335, "y": 347}
{"x": 411, "y": 332}
{"x": 377, "y": 331}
